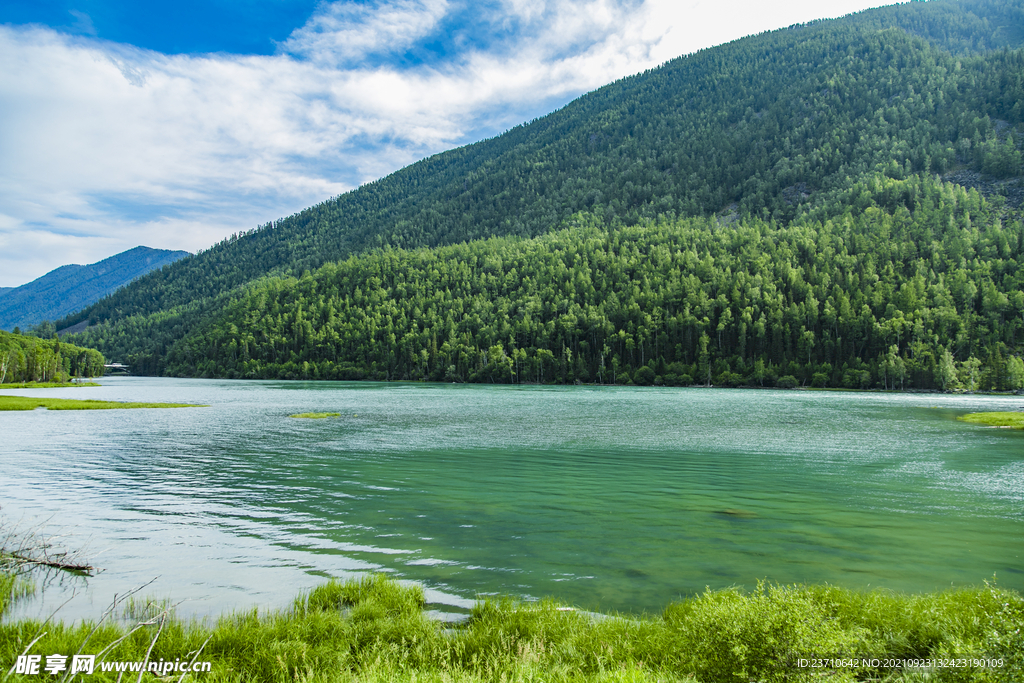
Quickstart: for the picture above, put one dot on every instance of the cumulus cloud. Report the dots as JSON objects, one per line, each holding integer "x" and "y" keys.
{"x": 106, "y": 146}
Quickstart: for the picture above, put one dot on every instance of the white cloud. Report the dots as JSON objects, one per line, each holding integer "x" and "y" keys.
{"x": 344, "y": 32}
{"x": 82, "y": 24}
{"x": 105, "y": 146}
{"x": 688, "y": 22}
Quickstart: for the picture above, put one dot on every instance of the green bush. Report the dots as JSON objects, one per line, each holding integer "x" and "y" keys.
{"x": 644, "y": 376}
{"x": 787, "y": 382}
{"x": 761, "y": 636}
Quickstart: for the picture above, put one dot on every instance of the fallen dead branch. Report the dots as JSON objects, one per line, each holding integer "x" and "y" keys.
{"x": 54, "y": 563}
{"x": 22, "y": 550}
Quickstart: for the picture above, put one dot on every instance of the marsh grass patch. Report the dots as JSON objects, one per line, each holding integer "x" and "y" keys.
{"x": 31, "y": 403}
{"x": 1013, "y": 420}
{"x": 48, "y": 385}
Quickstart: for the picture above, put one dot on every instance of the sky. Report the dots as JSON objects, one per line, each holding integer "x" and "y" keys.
{"x": 175, "y": 124}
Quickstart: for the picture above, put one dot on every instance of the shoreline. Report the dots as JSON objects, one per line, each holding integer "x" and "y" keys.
{"x": 1007, "y": 394}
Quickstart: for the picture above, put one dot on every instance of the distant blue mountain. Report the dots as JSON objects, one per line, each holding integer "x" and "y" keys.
{"x": 69, "y": 288}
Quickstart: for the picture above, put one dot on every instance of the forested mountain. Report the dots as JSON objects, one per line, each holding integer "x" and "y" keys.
{"x": 70, "y": 288}
{"x": 785, "y": 131}
{"x": 912, "y": 274}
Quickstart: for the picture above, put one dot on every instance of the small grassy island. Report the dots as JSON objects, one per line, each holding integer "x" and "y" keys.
{"x": 1014, "y": 420}
{"x": 315, "y": 416}
{"x": 31, "y": 403}
{"x": 375, "y": 629}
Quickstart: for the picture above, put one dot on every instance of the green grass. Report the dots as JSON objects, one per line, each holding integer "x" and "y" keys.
{"x": 47, "y": 385}
{"x": 1012, "y": 420}
{"x": 12, "y": 588}
{"x": 31, "y": 403}
{"x": 315, "y": 416}
{"x": 375, "y": 630}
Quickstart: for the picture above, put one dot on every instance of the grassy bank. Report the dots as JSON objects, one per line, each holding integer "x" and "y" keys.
{"x": 376, "y": 630}
{"x": 47, "y": 385}
{"x": 31, "y": 403}
{"x": 1012, "y": 420}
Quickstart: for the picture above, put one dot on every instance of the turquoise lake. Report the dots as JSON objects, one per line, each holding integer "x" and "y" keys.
{"x": 608, "y": 498}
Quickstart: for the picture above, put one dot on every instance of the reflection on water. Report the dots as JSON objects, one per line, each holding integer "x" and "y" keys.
{"x": 611, "y": 498}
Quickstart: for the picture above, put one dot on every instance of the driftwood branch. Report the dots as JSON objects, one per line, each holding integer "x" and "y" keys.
{"x": 22, "y": 549}
{"x": 54, "y": 563}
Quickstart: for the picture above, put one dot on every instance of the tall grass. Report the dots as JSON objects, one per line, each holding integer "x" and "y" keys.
{"x": 374, "y": 629}
{"x": 12, "y": 588}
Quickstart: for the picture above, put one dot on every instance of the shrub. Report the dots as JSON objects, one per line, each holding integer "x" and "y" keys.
{"x": 731, "y": 636}
{"x": 644, "y": 376}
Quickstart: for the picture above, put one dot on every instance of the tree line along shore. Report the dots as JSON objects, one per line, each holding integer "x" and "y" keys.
{"x": 25, "y": 358}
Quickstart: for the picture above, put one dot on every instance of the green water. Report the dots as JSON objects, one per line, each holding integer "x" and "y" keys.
{"x": 611, "y": 498}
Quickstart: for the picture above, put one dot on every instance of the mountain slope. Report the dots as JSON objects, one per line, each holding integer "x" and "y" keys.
{"x": 767, "y": 126}
{"x": 884, "y": 295}
{"x": 70, "y": 288}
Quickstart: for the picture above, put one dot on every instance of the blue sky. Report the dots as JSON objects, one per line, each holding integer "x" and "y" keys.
{"x": 174, "y": 124}
{"x": 171, "y": 27}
